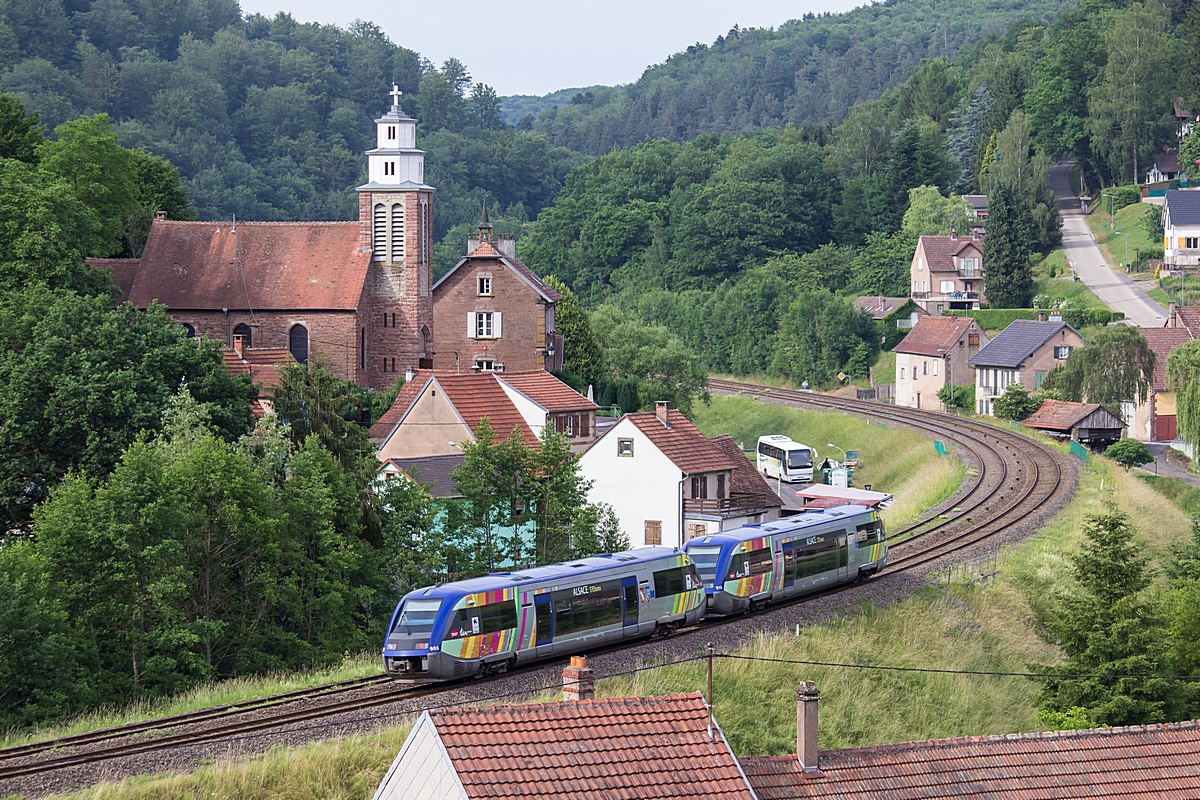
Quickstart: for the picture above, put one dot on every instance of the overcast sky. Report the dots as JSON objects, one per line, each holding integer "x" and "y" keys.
{"x": 538, "y": 46}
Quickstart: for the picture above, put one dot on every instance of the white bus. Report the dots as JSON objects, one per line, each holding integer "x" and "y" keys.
{"x": 780, "y": 457}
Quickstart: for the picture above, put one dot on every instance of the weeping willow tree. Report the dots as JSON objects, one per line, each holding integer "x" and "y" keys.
{"x": 1115, "y": 366}
{"x": 1183, "y": 373}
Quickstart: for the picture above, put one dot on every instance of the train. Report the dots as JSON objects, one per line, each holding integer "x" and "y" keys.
{"x": 491, "y": 624}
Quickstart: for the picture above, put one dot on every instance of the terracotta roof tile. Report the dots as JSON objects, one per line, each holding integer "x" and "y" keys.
{"x": 1189, "y": 318}
{"x": 408, "y": 393}
{"x": 934, "y": 336}
{"x": 1151, "y": 761}
{"x": 1162, "y": 341}
{"x": 480, "y": 395}
{"x": 546, "y": 390}
{"x": 939, "y": 250}
{"x": 261, "y": 364}
{"x": 1060, "y": 415}
{"x": 634, "y": 748}
{"x": 265, "y": 265}
{"x": 745, "y": 477}
{"x": 687, "y": 447}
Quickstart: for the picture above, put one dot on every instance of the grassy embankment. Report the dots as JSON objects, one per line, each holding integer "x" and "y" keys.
{"x": 962, "y": 627}
{"x": 895, "y": 460}
{"x": 1129, "y": 219}
{"x": 1052, "y": 278}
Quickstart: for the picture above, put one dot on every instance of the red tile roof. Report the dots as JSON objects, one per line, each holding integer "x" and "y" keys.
{"x": 261, "y": 364}
{"x": 939, "y": 250}
{"x": 1151, "y": 761}
{"x": 1162, "y": 341}
{"x": 933, "y": 334}
{"x": 409, "y": 392}
{"x": 688, "y": 448}
{"x": 1059, "y": 415}
{"x": 547, "y": 391}
{"x": 264, "y": 266}
{"x": 480, "y": 395}
{"x": 610, "y": 749}
{"x": 1189, "y": 317}
{"x": 745, "y": 477}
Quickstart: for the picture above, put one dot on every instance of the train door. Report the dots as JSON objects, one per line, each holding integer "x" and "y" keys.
{"x": 789, "y": 565}
{"x": 630, "y": 620}
{"x": 544, "y": 607}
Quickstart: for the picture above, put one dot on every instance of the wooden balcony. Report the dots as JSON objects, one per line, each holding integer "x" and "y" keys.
{"x": 732, "y": 506}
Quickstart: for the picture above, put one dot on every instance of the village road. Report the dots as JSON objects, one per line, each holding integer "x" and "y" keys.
{"x": 1113, "y": 288}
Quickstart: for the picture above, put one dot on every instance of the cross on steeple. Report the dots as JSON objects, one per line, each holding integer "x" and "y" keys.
{"x": 395, "y": 94}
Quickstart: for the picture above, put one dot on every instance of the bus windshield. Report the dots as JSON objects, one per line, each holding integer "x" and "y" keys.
{"x": 417, "y": 616}
{"x": 799, "y": 459}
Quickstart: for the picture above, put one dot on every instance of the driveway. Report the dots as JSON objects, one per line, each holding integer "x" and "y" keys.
{"x": 1114, "y": 289}
{"x": 1160, "y": 466}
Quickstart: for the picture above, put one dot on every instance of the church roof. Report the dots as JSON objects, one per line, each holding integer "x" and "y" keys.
{"x": 264, "y": 266}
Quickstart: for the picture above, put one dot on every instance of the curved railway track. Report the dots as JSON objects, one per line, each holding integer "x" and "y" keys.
{"x": 1014, "y": 478}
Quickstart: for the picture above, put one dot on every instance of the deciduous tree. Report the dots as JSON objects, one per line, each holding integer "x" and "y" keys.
{"x": 1115, "y": 366}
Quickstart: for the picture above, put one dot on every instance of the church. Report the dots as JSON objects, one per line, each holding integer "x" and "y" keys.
{"x": 360, "y": 292}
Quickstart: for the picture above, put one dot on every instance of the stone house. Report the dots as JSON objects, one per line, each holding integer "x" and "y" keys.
{"x": 1023, "y": 353}
{"x": 947, "y": 273}
{"x": 934, "y": 353}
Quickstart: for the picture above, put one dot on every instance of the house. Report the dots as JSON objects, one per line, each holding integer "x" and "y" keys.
{"x": 1154, "y": 420}
{"x": 1181, "y": 228}
{"x": 630, "y": 747}
{"x": 1137, "y": 762}
{"x": 1087, "y": 423}
{"x": 262, "y": 365}
{"x": 1165, "y": 167}
{"x": 880, "y": 307}
{"x": 435, "y": 412}
{"x": 509, "y": 312}
{"x": 1023, "y": 353}
{"x": 947, "y": 272}
{"x": 934, "y": 353}
{"x": 358, "y": 291}
{"x": 669, "y": 483}
{"x": 979, "y": 203}
{"x": 1182, "y": 119}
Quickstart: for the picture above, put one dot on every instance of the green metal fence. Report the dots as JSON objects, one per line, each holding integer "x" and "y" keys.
{"x": 1079, "y": 450}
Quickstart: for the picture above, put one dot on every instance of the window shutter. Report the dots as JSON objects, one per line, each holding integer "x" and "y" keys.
{"x": 470, "y": 324}
{"x": 496, "y": 325}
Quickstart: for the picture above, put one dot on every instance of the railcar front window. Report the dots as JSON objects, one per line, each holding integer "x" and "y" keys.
{"x": 705, "y": 559}
{"x": 417, "y": 615}
{"x": 799, "y": 459}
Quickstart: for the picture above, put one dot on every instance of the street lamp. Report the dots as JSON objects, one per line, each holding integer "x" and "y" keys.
{"x": 1126, "y": 235}
{"x": 1112, "y": 213}
{"x": 835, "y": 447}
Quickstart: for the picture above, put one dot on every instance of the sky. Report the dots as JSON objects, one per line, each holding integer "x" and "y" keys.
{"x": 539, "y": 46}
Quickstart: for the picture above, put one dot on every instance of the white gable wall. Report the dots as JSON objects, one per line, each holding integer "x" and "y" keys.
{"x": 533, "y": 414}
{"x": 643, "y": 487}
{"x": 422, "y": 770}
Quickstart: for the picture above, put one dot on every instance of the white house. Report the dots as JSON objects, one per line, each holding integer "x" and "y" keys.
{"x": 1181, "y": 228}
{"x": 669, "y": 483}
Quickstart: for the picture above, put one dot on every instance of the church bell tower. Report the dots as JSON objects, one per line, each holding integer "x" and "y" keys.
{"x": 395, "y": 215}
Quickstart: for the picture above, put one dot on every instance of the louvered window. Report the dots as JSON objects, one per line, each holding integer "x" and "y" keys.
{"x": 397, "y": 232}
{"x": 380, "y": 242}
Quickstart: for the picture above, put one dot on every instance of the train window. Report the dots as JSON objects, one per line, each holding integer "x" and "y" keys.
{"x": 818, "y": 554}
{"x": 585, "y": 607}
{"x": 755, "y": 562}
{"x": 870, "y": 531}
{"x": 416, "y": 616}
{"x": 705, "y": 559}
{"x": 490, "y": 618}
{"x": 676, "y": 581}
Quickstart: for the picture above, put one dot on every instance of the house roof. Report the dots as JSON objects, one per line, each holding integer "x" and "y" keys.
{"x": 1166, "y": 162}
{"x": 1188, "y": 317}
{"x": 1182, "y": 206}
{"x": 409, "y": 392}
{"x": 618, "y": 748}
{"x": 480, "y": 395}
{"x": 1162, "y": 341}
{"x": 264, "y": 266}
{"x": 485, "y": 250}
{"x": 1015, "y": 343}
{"x": 940, "y": 250}
{"x": 934, "y": 336}
{"x": 681, "y": 442}
{"x": 434, "y": 472}
{"x": 979, "y": 202}
{"x": 879, "y": 307}
{"x": 744, "y": 478}
{"x": 547, "y": 391}
{"x": 1060, "y": 415}
{"x": 261, "y": 364}
{"x": 1134, "y": 762}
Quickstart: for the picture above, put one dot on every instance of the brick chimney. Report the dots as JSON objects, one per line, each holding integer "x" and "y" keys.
{"x": 578, "y": 680}
{"x": 237, "y": 344}
{"x": 806, "y": 725}
{"x": 660, "y": 411}
{"x": 953, "y": 235}
{"x": 160, "y": 215}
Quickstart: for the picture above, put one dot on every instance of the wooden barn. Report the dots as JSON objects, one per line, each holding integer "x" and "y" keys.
{"x": 1088, "y": 423}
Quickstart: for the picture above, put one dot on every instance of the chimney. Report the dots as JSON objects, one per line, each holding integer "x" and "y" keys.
{"x": 472, "y": 244}
{"x": 1041, "y": 315}
{"x": 237, "y": 344}
{"x": 1171, "y": 315}
{"x": 409, "y": 374}
{"x": 806, "y": 725}
{"x": 507, "y": 245}
{"x": 660, "y": 411}
{"x": 578, "y": 680}
{"x": 1056, "y": 317}
{"x": 160, "y": 215}
{"x": 953, "y": 235}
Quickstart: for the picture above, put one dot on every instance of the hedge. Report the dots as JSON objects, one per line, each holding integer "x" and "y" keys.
{"x": 997, "y": 319}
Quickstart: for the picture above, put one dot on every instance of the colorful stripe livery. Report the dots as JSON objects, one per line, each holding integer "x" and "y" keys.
{"x": 487, "y": 643}
{"x": 687, "y": 601}
{"x": 753, "y": 584}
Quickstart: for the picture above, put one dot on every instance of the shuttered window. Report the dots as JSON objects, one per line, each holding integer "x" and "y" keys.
{"x": 397, "y": 232}
{"x": 653, "y": 531}
{"x": 380, "y": 240}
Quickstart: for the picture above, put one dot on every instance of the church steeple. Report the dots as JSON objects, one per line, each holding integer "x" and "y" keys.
{"x": 485, "y": 227}
{"x": 395, "y": 163}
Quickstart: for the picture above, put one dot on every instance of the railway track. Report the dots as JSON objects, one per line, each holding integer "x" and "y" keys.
{"x": 1014, "y": 478}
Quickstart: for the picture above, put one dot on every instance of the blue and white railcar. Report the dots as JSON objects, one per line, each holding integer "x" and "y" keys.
{"x": 489, "y": 624}
{"x": 753, "y": 565}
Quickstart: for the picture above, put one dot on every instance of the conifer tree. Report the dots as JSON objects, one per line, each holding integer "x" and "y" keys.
{"x": 1006, "y": 251}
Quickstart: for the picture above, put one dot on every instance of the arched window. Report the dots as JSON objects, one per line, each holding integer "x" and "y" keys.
{"x": 380, "y": 241}
{"x": 242, "y": 330}
{"x": 397, "y": 232}
{"x": 298, "y": 343}
{"x": 189, "y": 330}
{"x": 426, "y": 342}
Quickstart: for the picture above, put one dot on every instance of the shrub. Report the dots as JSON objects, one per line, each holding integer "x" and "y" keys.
{"x": 1015, "y": 403}
{"x": 1129, "y": 453}
{"x": 962, "y": 397}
